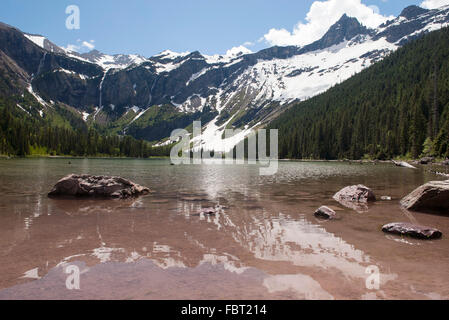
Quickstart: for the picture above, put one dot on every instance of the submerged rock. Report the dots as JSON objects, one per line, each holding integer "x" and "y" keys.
{"x": 325, "y": 213}
{"x": 433, "y": 196}
{"x": 210, "y": 211}
{"x": 411, "y": 230}
{"x": 97, "y": 186}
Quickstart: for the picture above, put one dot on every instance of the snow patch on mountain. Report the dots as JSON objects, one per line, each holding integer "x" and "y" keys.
{"x": 212, "y": 139}
{"x": 307, "y": 75}
{"x": 230, "y": 55}
{"x": 36, "y": 96}
{"x": 168, "y": 54}
{"x": 21, "y": 108}
{"x": 38, "y": 40}
{"x": 73, "y": 73}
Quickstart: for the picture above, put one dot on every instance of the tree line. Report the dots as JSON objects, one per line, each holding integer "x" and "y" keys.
{"x": 23, "y": 136}
{"x": 398, "y": 107}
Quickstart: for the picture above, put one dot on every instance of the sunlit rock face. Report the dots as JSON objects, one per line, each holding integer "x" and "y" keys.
{"x": 433, "y": 196}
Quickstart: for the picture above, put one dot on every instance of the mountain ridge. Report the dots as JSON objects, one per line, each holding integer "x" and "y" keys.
{"x": 398, "y": 107}
{"x": 237, "y": 91}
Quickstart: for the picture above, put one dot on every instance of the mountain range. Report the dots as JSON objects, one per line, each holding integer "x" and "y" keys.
{"x": 147, "y": 98}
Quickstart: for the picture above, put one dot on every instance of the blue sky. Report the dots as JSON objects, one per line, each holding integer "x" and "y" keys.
{"x": 148, "y": 27}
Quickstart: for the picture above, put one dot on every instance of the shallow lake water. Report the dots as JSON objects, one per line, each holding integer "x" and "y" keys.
{"x": 266, "y": 244}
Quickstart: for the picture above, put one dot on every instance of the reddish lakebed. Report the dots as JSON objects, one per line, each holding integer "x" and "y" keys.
{"x": 265, "y": 244}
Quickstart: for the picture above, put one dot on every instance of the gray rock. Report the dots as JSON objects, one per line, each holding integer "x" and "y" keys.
{"x": 97, "y": 186}
{"x": 355, "y": 197}
{"x": 426, "y": 160}
{"x": 357, "y": 193}
{"x": 432, "y": 196}
{"x": 411, "y": 230}
{"x": 325, "y": 213}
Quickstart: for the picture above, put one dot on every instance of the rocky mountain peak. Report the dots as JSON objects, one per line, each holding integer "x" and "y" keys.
{"x": 344, "y": 29}
{"x": 412, "y": 12}
{"x": 91, "y": 55}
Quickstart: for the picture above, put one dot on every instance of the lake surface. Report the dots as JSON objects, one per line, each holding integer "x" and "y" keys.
{"x": 266, "y": 244}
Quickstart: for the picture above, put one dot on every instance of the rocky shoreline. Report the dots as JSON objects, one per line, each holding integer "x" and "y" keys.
{"x": 432, "y": 197}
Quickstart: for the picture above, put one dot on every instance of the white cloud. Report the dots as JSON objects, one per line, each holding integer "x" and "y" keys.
{"x": 236, "y": 51}
{"x": 72, "y": 47}
{"x": 81, "y": 46}
{"x": 321, "y": 16}
{"x": 433, "y": 4}
{"x": 88, "y": 45}
{"x": 375, "y": 9}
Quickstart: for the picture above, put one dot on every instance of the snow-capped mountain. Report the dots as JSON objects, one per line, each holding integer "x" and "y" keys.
{"x": 118, "y": 61}
{"x": 148, "y": 98}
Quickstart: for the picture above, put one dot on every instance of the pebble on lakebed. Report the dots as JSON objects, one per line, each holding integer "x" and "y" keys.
{"x": 97, "y": 186}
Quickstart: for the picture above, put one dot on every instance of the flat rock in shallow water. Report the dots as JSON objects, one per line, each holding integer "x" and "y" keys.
{"x": 411, "y": 230}
{"x": 432, "y": 196}
{"x": 97, "y": 186}
{"x": 325, "y": 213}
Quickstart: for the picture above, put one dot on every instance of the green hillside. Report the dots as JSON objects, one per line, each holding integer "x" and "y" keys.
{"x": 25, "y": 134}
{"x": 397, "y": 107}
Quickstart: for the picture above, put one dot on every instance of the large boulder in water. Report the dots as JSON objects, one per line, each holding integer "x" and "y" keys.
{"x": 357, "y": 193}
{"x": 433, "y": 196}
{"x": 412, "y": 230}
{"x": 355, "y": 197}
{"x": 97, "y": 186}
